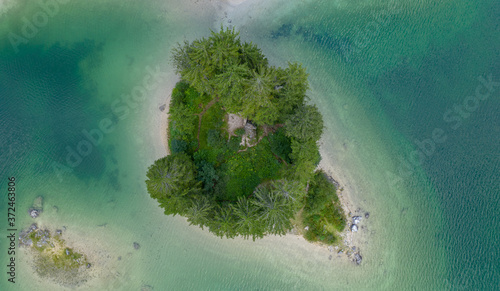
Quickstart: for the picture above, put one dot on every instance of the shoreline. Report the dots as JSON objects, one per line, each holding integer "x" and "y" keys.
{"x": 348, "y": 239}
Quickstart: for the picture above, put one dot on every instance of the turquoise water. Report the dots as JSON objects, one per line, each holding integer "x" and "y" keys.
{"x": 385, "y": 75}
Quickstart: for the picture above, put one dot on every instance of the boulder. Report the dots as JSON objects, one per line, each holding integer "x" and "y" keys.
{"x": 34, "y": 213}
{"x": 354, "y": 228}
{"x": 357, "y": 258}
{"x": 356, "y": 219}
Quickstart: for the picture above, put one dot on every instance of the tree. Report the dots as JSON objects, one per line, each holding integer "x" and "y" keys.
{"x": 246, "y": 219}
{"x": 291, "y": 190}
{"x": 199, "y": 212}
{"x": 172, "y": 177}
{"x": 223, "y": 224}
{"x": 275, "y": 211}
{"x": 225, "y": 48}
{"x": 306, "y": 124}
{"x": 291, "y": 88}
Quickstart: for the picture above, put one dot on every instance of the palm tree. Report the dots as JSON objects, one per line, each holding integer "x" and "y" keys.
{"x": 275, "y": 211}
{"x": 251, "y": 55}
{"x": 199, "y": 211}
{"x": 224, "y": 222}
{"x": 246, "y": 219}
{"x": 224, "y": 49}
{"x": 289, "y": 189}
{"x": 180, "y": 57}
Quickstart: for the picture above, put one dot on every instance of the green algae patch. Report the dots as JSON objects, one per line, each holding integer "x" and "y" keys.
{"x": 53, "y": 258}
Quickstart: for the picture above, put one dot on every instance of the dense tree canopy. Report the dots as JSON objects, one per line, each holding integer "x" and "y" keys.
{"x": 251, "y": 181}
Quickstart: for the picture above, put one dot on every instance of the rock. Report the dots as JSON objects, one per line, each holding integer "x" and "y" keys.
{"x": 58, "y": 231}
{"x": 358, "y": 258}
{"x": 330, "y": 248}
{"x": 136, "y": 245}
{"x": 88, "y": 265}
{"x": 356, "y": 219}
{"x": 354, "y": 228}
{"x": 67, "y": 252}
{"x": 353, "y": 248}
{"x": 367, "y": 215}
{"x": 34, "y": 213}
{"x": 306, "y": 228}
{"x": 330, "y": 257}
{"x": 162, "y": 107}
{"x": 33, "y": 227}
{"x": 340, "y": 252}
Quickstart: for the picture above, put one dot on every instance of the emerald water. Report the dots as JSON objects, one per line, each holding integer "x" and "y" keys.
{"x": 396, "y": 82}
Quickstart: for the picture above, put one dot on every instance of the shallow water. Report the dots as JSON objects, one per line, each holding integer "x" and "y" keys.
{"x": 384, "y": 74}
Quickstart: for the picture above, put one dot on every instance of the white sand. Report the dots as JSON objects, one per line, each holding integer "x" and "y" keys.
{"x": 238, "y": 13}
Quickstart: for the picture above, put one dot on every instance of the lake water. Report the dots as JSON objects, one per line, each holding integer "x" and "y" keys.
{"x": 411, "y": 100}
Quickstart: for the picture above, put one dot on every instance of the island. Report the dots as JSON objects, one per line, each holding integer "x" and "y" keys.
{"x": 243, "y": 141}
{"x": 52, "y": 258}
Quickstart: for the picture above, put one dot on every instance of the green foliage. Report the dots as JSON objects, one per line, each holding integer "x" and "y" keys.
{"x": 171, "y": 180}
{"x": 280, "y": 144}
{"x": 322, "y": 212}
{"x": 305, "y": 124}
{"x": 248, "y": 169}
{"x": 239, "y": 131}
{"x": 178, "y": 146}
{"x": 207, "y": 175}
{"x": 275, "y": 210}
{"x": 257, "y": 190}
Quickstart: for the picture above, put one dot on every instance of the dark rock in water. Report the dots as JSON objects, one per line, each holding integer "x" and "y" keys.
{"x": 367, "y": 215}
{"x": 89, "y": 265}
{"x": 119, "y": 258}
{"x": 136, "y": 245}
{"x": 357, "y": 258}
{"x": 146, "y": 288}
{"x": 162, "y": 107}
{"x": 330, "y": 257}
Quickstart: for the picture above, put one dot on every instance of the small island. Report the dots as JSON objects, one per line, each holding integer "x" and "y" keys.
{"x": 243, "y": 143}
{"x": 52, "y": 258}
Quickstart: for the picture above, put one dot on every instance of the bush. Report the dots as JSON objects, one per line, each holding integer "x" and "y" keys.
{"x": 208, "y": 175}
{"x": 214, "y": 138}
{"x": 280, "y": 144}
{"x": 322, "y": 212}
{"x": 178, "y": 146}
{"x": 239, "y": 131}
